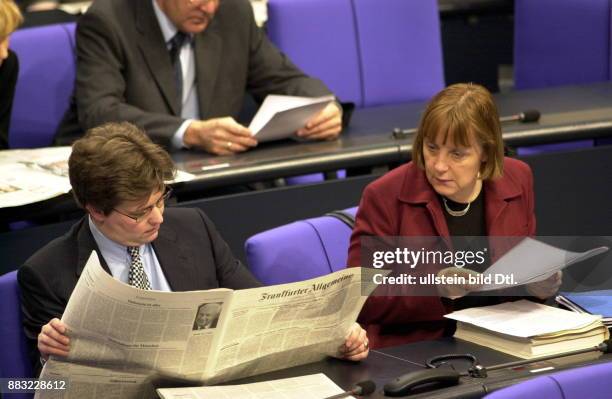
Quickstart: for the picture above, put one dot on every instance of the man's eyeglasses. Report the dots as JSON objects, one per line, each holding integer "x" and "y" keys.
{"x": 139, "y": 216}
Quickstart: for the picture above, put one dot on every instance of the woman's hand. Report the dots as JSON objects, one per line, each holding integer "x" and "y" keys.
{"x": 545, "y": 288}
{"x": 454, "y": 291}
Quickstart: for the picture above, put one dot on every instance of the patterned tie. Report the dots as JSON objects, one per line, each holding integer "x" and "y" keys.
{"x": 176, "y": 43}
{"x": 137, "y": 276}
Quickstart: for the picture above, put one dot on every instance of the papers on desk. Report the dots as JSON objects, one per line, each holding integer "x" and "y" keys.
{"x": 33, "y": 175}
{"x": 531, "y": 261}
{"x": 279, "y": 117}
{"x": 591, "y": 302}
{"x": 527, "y": 329}
{"x": 308, "y": 386}
{"x": 28, "y": 176}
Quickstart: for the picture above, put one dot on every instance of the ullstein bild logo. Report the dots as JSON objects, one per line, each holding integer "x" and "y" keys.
{"x": 405, "y": 256}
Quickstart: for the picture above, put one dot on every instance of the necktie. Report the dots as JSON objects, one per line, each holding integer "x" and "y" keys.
{"x": 137, "y": 276}
{"x": 176, "y": 43}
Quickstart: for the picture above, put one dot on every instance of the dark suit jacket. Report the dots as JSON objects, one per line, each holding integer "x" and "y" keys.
{"x": 191, "y": 253}
{"x": 403, "y": 203}
{"x": 8, "y": 79}
{"x": 124, "y": 72}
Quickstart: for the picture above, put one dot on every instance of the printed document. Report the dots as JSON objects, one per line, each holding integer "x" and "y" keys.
{"x": 33, "y": 175}
{"x": 125, "y": 342}
{"x": 279, "y": 117}
{"x": 523, "y": 318}
{"x": 531, "y": 261}
{"x": 314, "y": 386}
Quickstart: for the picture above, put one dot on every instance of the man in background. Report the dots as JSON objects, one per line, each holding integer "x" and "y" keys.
{"x": 180, "y": 70}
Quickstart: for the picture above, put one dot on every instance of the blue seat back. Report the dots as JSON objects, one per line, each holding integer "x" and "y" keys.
{"x": 401, "y": 50}
{"x": 370, "y": 52}
{"x": 45, "y": 84}
{"x": 300, "y": 250}
{"x": 319, "y": 37}
{"x": 14, "y": 359}
{"x": 578, "y": 383}
{"x": 561, "y": 42}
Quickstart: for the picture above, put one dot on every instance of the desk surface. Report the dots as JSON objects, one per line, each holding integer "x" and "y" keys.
{"x": 568, "y": 113}
{"x": 385, "y": 364}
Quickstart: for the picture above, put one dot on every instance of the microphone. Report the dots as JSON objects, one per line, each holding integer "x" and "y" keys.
{"x": 363, "y": 388}
{"x": 604, "y": 347}
{"x": 530, "y": 115}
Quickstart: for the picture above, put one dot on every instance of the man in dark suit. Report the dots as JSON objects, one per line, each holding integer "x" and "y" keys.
{"x": 180, "y": 69}
{"x": 117, "y": 175}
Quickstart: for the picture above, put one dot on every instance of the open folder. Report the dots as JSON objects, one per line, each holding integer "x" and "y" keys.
{"x": 279, "y": 117}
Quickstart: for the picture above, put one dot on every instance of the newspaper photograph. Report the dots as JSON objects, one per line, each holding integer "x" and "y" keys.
{"x": 126, "y": 342}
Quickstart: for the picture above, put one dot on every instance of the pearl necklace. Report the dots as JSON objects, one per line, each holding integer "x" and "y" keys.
{"x": 456, "y": 213}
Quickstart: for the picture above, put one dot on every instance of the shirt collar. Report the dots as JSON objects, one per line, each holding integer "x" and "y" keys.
{"x": 107, "y": 246}
{"x": 167, "y": 27}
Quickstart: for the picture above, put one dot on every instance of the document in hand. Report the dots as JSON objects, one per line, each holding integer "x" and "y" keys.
{"x": 307, "y": 386}
{"x": 125, "y": 342}
{"x": 527, "y": 329}
{"x": 532, "y": 260}
{"x": 279, "y": 117}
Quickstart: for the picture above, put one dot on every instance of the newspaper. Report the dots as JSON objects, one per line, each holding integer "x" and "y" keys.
{"x": 314, "y": 386}
{"x": 28, "y": 176}
{"x": 125, "y": 342}
{"x": 33, "y": 175}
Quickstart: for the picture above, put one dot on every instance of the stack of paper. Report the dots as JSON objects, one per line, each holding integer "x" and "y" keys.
{"x": 527, "y": 329}
{"x": 591, "y": 302}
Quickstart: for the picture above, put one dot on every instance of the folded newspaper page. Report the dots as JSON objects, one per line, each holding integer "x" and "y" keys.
{"x": 313, "y": 386}
{"x": 125, "y": 342}
{"x": 28, "y": 176}
{"x": 33, "y": 175}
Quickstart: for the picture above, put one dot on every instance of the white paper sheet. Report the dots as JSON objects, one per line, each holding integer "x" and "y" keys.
{"x": 532, "y": 261}
{"x": 314, "y": 386}
{"x": 523, "y": 318}
{"x": 281, "y": 116}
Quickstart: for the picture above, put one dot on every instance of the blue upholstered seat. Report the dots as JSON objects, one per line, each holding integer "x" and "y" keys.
{"x": 300, "y": 250}
{"x": 46, "y": 80}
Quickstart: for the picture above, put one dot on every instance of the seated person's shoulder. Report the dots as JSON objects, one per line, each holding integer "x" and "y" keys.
{"x": 190, "y": 220}
{"x": 516, "y": 169}
{"x": 110, "y": 13}
{"x": 241, "y": 6}
{"x": 9, "y": 65}
{"x": 59, "y": 254}
{"x": 390, "y": 184}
